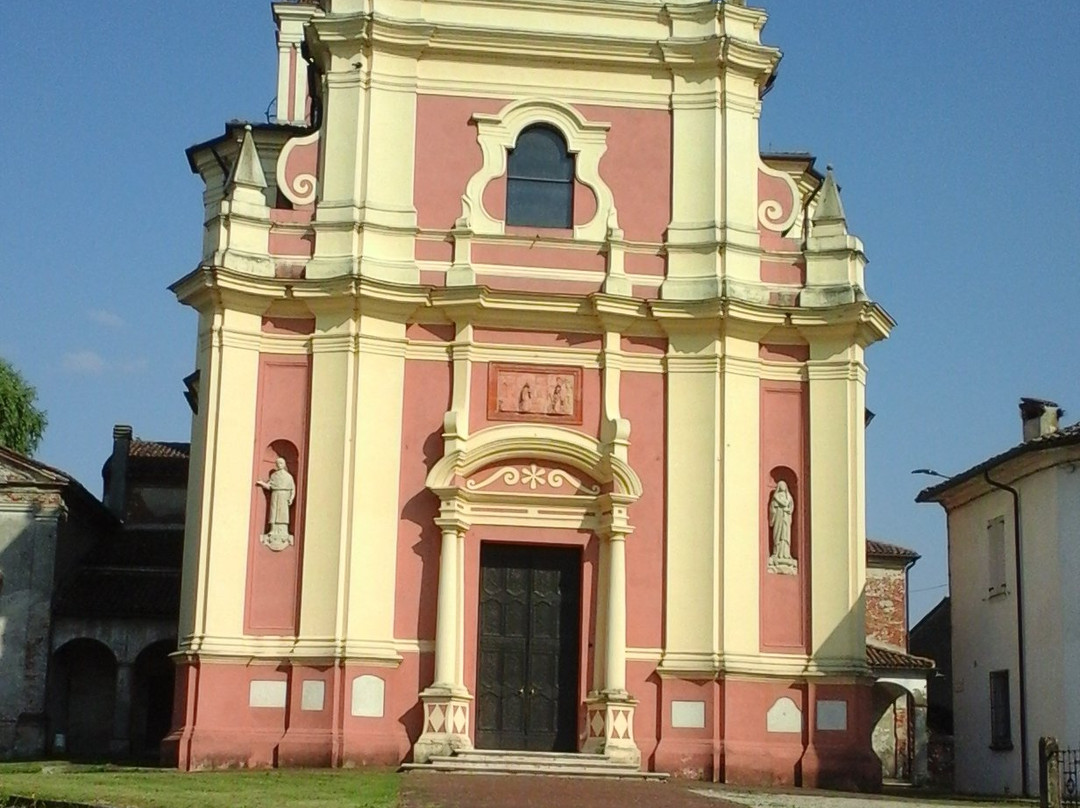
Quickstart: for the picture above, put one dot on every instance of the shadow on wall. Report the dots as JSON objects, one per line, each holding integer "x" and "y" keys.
{"x": 29, "y": 555}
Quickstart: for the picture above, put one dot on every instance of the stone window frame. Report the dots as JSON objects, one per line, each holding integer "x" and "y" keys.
{"x": 585, "y": 140}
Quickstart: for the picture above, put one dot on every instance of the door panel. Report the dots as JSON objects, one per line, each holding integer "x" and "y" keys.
{"x": 529, "y": 618}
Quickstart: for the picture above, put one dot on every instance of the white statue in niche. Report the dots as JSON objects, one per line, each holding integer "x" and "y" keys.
{"x": 781, "y": 509}
{"x": 282, "y": 488}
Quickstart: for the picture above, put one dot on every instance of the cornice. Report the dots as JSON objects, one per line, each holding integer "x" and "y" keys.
{"x": 206, "y": 286}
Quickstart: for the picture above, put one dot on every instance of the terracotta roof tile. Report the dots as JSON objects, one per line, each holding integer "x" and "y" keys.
{"x": 878, "y": 657}
{"x": 880, "y": 548}
{"x": 157, "y": 449}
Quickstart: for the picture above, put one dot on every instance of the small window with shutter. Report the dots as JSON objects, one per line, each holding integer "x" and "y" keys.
{"x": 995, "y": 535}
{"x": 1000, "y": 712}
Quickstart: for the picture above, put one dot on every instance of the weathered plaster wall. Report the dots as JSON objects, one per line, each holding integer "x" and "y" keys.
{"x": 886, "y": 607}
{"x": 27, "y": 549}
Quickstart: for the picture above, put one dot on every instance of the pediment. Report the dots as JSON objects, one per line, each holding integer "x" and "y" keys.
{"x": 18, "y": 470}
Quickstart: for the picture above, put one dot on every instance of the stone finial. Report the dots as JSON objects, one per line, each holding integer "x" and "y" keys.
{"x": 830, "y": 210}
{"x": 247, "y": 171}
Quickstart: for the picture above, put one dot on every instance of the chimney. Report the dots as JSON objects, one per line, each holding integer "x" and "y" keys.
{"x": 1040, "y": 417}
{"x": 116, "y": 479}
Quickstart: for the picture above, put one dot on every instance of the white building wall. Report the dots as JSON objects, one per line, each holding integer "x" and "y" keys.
{"x": 984, "y": 640}
{"x": 1039, "y": 503}
{"x": 984, "y": 627}
{"x": 1068, "y": 530}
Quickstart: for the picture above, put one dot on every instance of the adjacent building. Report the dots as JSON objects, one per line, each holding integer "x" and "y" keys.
{"x": 530, "y": 404}
{"x": 89, "y": 592}
{"x": 900, "y": 694}
{"x": 1014, "y": 566}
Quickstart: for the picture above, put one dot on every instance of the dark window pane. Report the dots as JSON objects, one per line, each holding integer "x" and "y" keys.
{"x": 540, "y": 180}
{"x": 539, "y": 204}
{"x": 1000, "y": 712}
{"x": 540, "y": 153}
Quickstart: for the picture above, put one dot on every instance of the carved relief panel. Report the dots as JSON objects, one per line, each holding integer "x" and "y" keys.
{"x": 534, "y": 393}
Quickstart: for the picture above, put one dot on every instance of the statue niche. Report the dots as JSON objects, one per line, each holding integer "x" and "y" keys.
{"x": 281, "y": 490}
{"x": 781, "y": 518}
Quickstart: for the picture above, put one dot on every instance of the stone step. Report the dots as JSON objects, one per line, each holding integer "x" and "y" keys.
{"x": 456, "y": 767}
{"x": 503, "y": 756}
{"x": 553, "y": 764}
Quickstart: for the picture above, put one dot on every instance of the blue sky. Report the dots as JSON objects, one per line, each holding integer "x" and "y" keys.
{"x": 952, "y": 126}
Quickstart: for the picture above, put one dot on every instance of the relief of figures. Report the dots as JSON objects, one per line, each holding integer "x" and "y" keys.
{"x": 525, "y": 394}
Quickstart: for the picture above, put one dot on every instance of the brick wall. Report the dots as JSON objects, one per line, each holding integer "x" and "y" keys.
{"x": 886, "y": 607}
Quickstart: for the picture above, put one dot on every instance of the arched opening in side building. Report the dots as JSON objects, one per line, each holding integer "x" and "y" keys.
{"x": 82, "y": 699}
{"x": 152, "y": 698}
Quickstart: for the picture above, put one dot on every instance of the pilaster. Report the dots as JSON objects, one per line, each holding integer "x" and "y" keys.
{"x": 330, "y": 474}
{"x": 740, "y": 462}
{"x": 837, "y": 500}
{"x": 232, "y": 383}
{"x": 693, "y": 451}
{"x": 292, "y": 77}
{"x": 375, "y": 458}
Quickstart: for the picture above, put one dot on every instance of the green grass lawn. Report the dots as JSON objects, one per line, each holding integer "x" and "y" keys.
{"x": 162, "y": 788}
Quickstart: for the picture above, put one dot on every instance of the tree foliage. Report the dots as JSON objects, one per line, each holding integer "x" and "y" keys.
{"x": 21, "y": 422}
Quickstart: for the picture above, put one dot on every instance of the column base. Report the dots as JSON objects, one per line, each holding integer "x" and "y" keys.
{"x": 609, "y": 724}
{"x": 446, "y": 723}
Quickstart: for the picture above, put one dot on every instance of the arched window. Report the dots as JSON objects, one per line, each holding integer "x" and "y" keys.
{"x": 540, "y": 180}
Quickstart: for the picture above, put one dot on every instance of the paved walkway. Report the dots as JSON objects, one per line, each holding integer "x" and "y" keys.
{"x": 439, "y": 790}
{"x": 771, "y": 799}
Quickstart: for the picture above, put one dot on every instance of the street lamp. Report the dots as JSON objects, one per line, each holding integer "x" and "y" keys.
{"x": 931, "y": 473}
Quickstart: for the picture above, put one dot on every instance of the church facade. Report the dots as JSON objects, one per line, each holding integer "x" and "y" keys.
{"x": 530, "y": 404}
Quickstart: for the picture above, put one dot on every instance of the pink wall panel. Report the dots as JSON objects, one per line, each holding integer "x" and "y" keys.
{"x": 642, "y": 401}
{"x": 272, "y": 597}
{"x": 447, "y": 154}
{"x": 426, "y": 400}
{"x": 785, "y": 456}
{"x": 636, "y": 165}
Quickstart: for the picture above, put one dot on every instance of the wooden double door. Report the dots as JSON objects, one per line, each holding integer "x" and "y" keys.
{"x": 529, "y": 648}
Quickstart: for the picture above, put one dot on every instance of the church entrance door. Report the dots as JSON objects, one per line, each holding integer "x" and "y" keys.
{"x": 529, "y": 647}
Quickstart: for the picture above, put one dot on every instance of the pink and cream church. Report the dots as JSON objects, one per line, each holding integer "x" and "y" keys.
{"x": 529, "y": 405}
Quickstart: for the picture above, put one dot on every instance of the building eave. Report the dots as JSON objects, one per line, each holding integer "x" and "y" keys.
{"x": 1019, "y": 461}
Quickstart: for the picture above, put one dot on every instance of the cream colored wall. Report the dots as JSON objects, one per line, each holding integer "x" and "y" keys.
{"x": 227, "y": 389}
{"x": 1068, "y": 531}
{"x": 837, "y": 502}
{"x": 984, "y": 629}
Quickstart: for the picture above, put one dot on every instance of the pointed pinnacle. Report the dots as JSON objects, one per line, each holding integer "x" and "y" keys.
{"x": 247, "y": 171}
{"x": 829, "y": 207}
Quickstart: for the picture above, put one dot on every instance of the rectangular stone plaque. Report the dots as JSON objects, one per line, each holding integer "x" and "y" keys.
{"x": 265, "y": 693}
{"x": 534, "y": 393}
{"x": 688, "y": 714}
{"x": 832, "y": 716}
{"x": 312, "y": 694}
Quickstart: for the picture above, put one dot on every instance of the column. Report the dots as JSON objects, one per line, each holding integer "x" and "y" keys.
{"x": 615, "y": 647}
{"x": 920, "y": 773}
{"x": 446, "y": 701}
{"x": 446, "y": 651}
{"x": 121, "y": 733}
{"x": 609, "y": 717}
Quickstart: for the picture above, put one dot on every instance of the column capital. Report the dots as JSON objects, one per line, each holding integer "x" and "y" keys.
{"x": 614, "y": 518}
{"x": 452, "y": 516}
